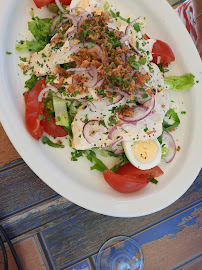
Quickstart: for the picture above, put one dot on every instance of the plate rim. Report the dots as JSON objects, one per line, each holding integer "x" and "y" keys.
{"x": 119, "y": 210}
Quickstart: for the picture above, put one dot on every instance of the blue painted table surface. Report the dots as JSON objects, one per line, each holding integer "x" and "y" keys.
{"x": 50, "y": 232}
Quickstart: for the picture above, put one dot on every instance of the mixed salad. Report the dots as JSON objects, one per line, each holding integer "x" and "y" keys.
{"x": 99, "y": 80}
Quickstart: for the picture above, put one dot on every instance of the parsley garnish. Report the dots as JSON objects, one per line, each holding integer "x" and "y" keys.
{"x": 45, "y": 140}
{"x": 153, "y": 181}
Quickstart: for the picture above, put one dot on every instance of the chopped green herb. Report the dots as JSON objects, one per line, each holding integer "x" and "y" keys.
{"x": 31, "y": 82}
{"x": 171, "y": 115}
{"x": 40, "y": 116}
{"x": 8, "y": 53}
{"x": 183, "y": 112}
{"x": 45, "y": 140}
{"x": 153, "y": 181}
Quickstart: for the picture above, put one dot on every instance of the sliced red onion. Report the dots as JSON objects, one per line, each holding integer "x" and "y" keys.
{"x": 99, "y": 83}
{"x": 93, "y": 131}
{"x": 116, "y": 90}
{"x": 167, "y": 138}
{"x": 71, "y": 17}
{"x": 114, "y": 129}
{"x": 89, "y": 103}
{"x": 140, "y": 94}
{"x": 140, "y": 113}
{"x": 53, "y": 24}
{"x": 117, "y": 147}
{"x": 89, "y": 45}
{"x": 60, "y": 6}
{"x": 78, "y": 69}
{"x": 92, "y": 79}
{"x": 83, "y": 10}
{"x": 116, "y": 99}
{"x": 124, "y": 39}
{"x": 129, "y": 26}
{"x": 45, "y": 90}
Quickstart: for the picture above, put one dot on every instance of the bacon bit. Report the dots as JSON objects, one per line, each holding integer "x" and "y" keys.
{"x": 178, "y": 148}
{"x": 56, "y": 39}
{"x": 150, "y": 132}
{"x": 162, "y": 106}
{"x": 23, "y": 66}
{"x": 59, "y": 142}
{"x": 126, "y": 111}
{"x": 149, "y": 92}
{"x": 142, "y": 78}
{"x": 172, "y": 129}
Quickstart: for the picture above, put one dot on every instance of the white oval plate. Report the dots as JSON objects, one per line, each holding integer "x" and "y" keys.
{"x": 74, "y": 180}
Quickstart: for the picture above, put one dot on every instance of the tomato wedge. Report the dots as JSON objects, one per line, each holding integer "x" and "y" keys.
{"x": 33, "y": 108}
{"x": 162, "y": 51}
{"x": 129, "y": 169}
{"x": 42, "y": 3}
{"x": 51, "y": 128}
{"x": 125, "y": 183}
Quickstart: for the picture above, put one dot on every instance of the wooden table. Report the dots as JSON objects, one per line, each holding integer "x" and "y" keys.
{"x": 50, "y": 232}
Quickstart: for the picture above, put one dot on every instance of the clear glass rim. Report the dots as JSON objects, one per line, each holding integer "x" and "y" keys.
{"x": 121, "y": 239}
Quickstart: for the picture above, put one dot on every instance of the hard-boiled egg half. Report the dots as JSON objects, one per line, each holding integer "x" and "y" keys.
{"x": 88, "y": 5}
{"x": 143, "y": 154}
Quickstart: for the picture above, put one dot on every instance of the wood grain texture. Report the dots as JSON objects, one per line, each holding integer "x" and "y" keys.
{"x": 84, "y": 234}
{"x": 7, "y": 151}
{"x": 21, "y": 188}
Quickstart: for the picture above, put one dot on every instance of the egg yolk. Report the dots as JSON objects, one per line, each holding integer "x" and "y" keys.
{"x": 145, "y": 151}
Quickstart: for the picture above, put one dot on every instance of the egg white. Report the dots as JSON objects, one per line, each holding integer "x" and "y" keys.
{"x": 88, "y": 5}
{"x": 142, "y": 165}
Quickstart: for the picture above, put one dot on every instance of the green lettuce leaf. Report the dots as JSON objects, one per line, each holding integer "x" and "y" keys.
{"x": 178, "y": 83}
{"x": 171, "y": 115}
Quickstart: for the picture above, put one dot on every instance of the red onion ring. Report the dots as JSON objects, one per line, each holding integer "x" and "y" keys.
{"x": 92, "y": 79}
{"x": 84, "y": 11}
{"x": 167, "y": 138}
{"x": 116, "y": 99}
{"x": 116, "y": 90}
{"x": 59, "y": 5}
{"x": 143, "y": 113}
{"x": 139, "y": 95}
{"x": 93, "y": 130}
{"x": 124, "y": 39}
{"x": 114, "y": 129}
{"x": 45, "y": 90}
{"x": 117, "y": 149}
{"x": 78, "y": 69}
{"x": 53, "y": 24}
{"x": 71, "y": 17}
{"x": 99, "y": 83}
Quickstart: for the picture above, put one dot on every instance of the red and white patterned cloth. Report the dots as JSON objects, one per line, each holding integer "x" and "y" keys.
{"x": 186, "y": 13}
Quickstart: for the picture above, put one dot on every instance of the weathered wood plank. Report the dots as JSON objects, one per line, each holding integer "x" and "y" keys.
{"x": 7, "y": 151}
{"x": 194, "y": 264}
{"x": 26, "y": 189}
{"x": 21, "y": 188}
{"x": 36, "y": 216}
{"x": 84, "y": 234}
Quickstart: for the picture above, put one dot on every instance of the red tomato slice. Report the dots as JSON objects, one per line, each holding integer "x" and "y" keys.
{"x": 164, "y": 52}
{"x": 128, "y": 168}
{"x": 51, "y": 128}
{"x": 33, "y": 109}
{"x": 125, "y": 183}
{"x": 42, "y": 3}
